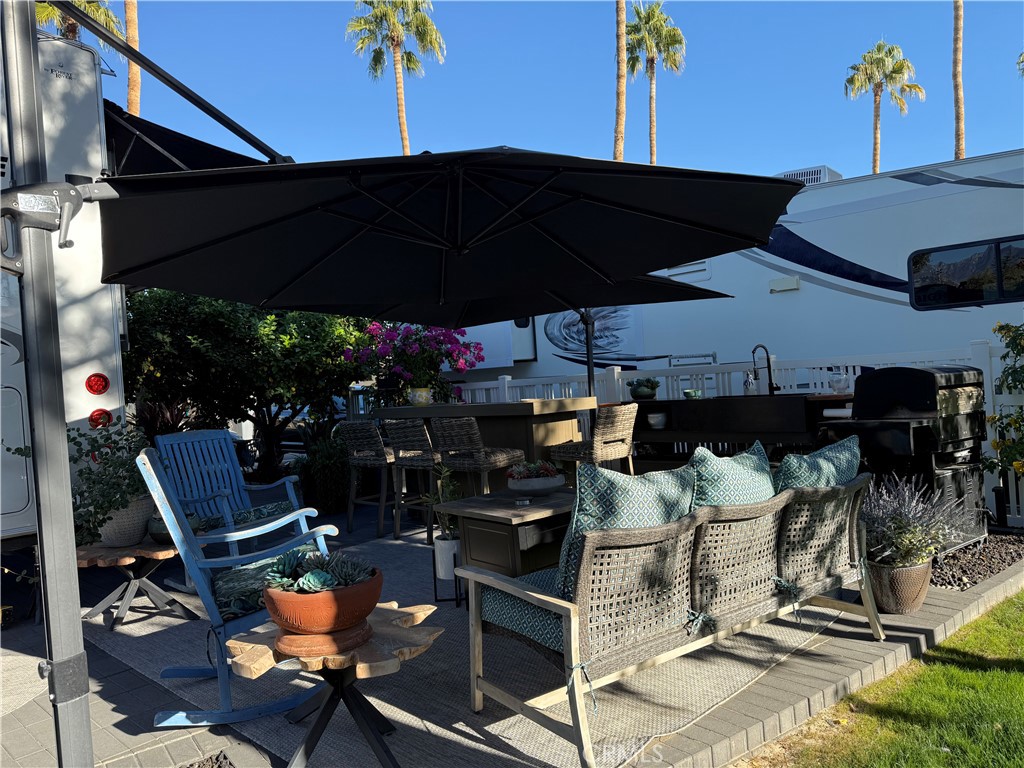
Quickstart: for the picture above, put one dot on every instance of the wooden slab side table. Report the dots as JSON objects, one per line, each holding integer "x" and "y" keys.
{"x": 396, "y": 638}
{"x": 136, "y": 563}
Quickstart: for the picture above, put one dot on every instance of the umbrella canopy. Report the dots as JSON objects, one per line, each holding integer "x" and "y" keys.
{"x": 424, "y": 229}
{"x": 645, "y": 289}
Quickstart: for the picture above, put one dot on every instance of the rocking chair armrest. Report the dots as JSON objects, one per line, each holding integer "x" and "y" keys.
{"x": 516, "y": 588}
{"x": 289, "y": 482}
{"x": 233, "y": 561}
{"x": 267, "y": 527}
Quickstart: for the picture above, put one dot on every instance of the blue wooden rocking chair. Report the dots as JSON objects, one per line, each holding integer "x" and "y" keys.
{"x": 230, "y": 588}
{"x": 205, "y": 474}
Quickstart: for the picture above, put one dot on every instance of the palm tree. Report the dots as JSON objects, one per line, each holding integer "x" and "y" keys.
{"x": 958, "y": 79}
{"x": 383, "y": 29}
{"x": 131, "y": 21}
{"x": 620, "y": 80}
{"x": 651, "y": 36}
{"x": 881, "y": 69}
{"x": 68, "y": 28}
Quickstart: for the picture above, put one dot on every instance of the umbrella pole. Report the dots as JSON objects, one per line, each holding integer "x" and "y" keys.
{"x": 587, "y": 317}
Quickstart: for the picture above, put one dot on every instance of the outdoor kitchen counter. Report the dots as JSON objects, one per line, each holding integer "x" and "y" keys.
{"x": 531, "y": 425}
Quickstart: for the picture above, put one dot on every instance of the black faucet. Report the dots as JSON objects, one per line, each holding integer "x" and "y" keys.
{"x": 772, "y": 386}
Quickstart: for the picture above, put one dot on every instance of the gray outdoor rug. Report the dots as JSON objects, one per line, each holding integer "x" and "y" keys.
{"x": 428, "y": 699}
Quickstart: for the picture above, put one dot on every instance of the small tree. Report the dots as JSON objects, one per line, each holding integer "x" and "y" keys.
{"x": 1009, "y": 424}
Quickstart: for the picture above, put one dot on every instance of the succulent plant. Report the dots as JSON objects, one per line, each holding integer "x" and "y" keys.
{"x": 307, "y": 572}
{"x": 525, "y": 470}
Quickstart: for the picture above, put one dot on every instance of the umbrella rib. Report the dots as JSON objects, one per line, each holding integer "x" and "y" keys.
{"x": 543, "y": 233}
{"x": 341, "y": 246}
{"x": 582, "y": 197}
{"x": 392, "y": 209}
{"x": 479, "y": 237}
{"x": 117, "y": 276}
{"x": 397, "y": 234}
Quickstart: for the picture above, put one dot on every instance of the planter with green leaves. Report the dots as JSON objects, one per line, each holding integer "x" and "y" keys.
{"x": 110, "y": 500}
{"x": 446, "y": 542}
{"x": 905, "y": 526}
{"x": 310, "y": 594}
{"x": 538, "y": 478}
{"x": 643, "y": 389}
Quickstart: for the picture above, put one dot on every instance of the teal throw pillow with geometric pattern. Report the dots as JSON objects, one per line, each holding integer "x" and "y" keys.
{"x": 835, "y": 464}
{"x": 745, "y": 478}
{"x": 606, "y": 499}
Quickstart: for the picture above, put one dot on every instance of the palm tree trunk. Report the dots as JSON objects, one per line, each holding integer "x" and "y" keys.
{"x": 620, "y": 80}
{"x": 396, "y": 60}
{"x": 876, "y": 155}
{"x": 652, "y": 75}
{"x": 67, "y": 28}
{"x": 131, "y": 23}
{"x": 958, "y": 81}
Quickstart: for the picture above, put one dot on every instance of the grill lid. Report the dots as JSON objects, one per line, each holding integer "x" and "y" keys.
{"x": 904, "y": 392}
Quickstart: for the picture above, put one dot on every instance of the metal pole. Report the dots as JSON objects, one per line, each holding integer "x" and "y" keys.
{"x": 71, "y": 10}
{"x": 65, "y": 665}
{"x": 588, "y": 326}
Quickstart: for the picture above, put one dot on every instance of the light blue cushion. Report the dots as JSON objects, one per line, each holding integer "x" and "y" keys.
{"x": 835, "y": 464}
{"x": 745, "y": 478}
{"x": 527, "y": 619}
{"x": 607, "y": 499}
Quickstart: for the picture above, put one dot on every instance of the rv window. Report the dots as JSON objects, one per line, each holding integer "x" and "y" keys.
{"x": 966, "y": 275}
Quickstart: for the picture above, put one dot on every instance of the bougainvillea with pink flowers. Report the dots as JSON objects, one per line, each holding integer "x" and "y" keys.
{"x": 400, "y": 356}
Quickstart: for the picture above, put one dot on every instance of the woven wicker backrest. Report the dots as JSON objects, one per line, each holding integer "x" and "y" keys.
{"x": 634, "y": 586}
{"x": 407, "y": 435}
{"x": 736, "y": 559}
{"x": 457, "y": 435}
{"x": 615, "y": 424}
{"x": 359, "y": 437}
{"x": 817, "y": 538}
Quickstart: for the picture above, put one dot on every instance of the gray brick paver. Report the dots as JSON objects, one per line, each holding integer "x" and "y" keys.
{"x": 19, "y": 742}
{"x": 183, "y": 751}
{"x": 155, "y": 757}
{"x": 40, "y": 759}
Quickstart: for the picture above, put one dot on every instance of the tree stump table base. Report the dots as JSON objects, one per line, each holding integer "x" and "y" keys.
{"x": 294, "y": 644}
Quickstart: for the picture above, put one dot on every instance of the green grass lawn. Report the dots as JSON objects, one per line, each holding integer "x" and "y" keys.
{"x": 961, "y": 705}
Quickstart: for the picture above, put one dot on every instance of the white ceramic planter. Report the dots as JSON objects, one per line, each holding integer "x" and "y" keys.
{"x": 536, "y": 486}
{"x": 446, "y": 553}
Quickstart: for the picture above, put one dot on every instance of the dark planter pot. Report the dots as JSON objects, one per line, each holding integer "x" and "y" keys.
{"x": 642, "y": 393}
{"x": 158, "y": 529}
{"x": 900, "y": 589}
{"x": 322, "y": 612}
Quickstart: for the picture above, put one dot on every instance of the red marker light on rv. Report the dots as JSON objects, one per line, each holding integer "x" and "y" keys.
{"x": 101, "y": 417}
{"x": 97, "y": 383}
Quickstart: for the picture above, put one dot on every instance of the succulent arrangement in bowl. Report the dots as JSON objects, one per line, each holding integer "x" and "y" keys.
{"x": 645, "y": 388}
{"x": 536, "y": 478}
{"x": 309, "y": 593}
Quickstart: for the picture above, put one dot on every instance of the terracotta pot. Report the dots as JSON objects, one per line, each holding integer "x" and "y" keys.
{"x": 323, "y": 612}
{"x": 899, "y": 589}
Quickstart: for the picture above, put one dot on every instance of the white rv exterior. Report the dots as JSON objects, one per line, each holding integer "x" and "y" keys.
{"x": 832, "y": 282}
{"x": 90, "y": 315}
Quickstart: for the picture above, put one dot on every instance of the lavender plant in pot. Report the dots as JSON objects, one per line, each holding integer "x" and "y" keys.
{"x": 905, "y": 526}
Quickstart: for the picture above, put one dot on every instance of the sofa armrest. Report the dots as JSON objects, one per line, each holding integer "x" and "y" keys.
{"x": 515, "y": 587}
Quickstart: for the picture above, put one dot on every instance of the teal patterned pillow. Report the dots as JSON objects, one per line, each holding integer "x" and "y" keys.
{"x": 608, "y": 499}
{"x": 745, "y": 478}
{"x": 835, "y": 464}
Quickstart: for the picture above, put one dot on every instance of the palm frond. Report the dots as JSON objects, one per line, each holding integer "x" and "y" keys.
{"x": 412, "y": 64}
{"x": 378, "y": 63}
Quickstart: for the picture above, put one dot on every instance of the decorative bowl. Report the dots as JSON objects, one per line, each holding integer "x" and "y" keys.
{"x": 536, "y": 486}
{"x": 692, "y": 394}
{"x": 657, "y": 420}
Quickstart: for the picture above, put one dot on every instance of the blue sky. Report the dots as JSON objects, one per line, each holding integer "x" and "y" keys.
{"x": 762, "y": 90}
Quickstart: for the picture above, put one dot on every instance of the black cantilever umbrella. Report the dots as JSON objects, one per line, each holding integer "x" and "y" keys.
{"x": 424, "y": 229}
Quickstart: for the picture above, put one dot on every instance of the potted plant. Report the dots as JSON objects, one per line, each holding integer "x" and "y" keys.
{"x": 446, "y": 542}
{"x": 308, "y": 593}
{"x": 643, "y": 389}
{"x": 905, "y": 526}
{"x": 536, "y": 478}
{"x": 109, "y": 497}
{"x": 409, "y": 358}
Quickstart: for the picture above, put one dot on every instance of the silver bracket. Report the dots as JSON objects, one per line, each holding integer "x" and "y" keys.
{"x": 68, "y": 679}
{"x": 49, "y": 207}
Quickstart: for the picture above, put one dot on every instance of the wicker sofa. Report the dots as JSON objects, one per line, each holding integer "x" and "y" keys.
{"x": 645, "y": 595}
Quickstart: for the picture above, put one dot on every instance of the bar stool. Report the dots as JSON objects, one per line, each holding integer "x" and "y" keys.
{"x": 463, "y": 450}
{"x": 365, "y": 450}
{"x": 410, "y": 442}
{"x": 613, "y": 438}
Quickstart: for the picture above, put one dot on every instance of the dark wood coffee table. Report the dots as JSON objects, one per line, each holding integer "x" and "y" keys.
{"x": 497, "y": 534}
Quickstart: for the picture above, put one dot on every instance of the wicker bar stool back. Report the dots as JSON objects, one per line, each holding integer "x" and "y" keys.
{"x": 366, "y": 450}
{"x": 410, "y": 441}
{"x": 463, "y": 450}
{"x": 613, "y": 438}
